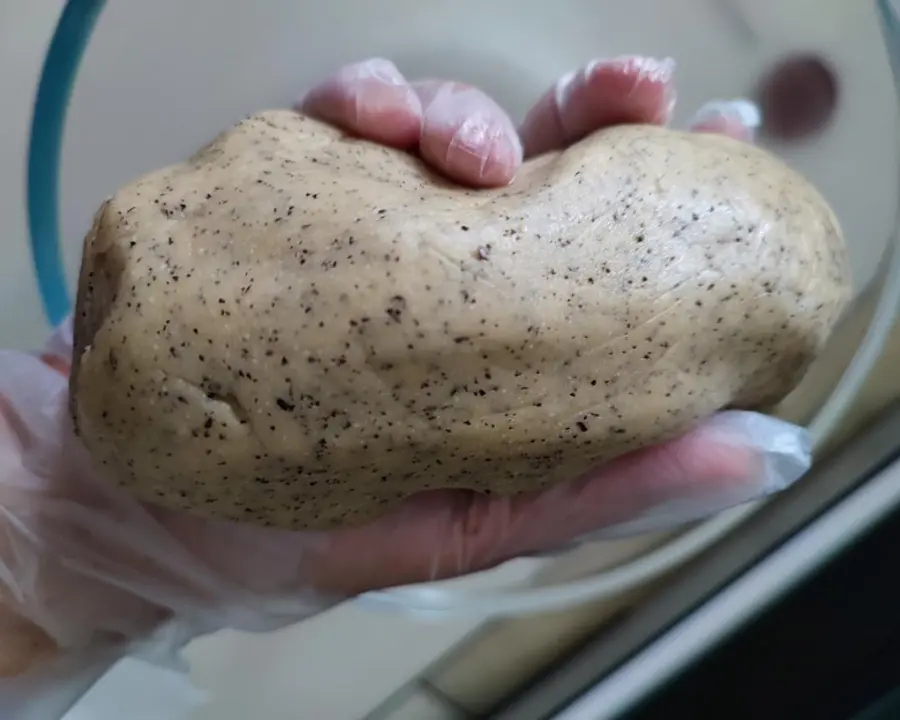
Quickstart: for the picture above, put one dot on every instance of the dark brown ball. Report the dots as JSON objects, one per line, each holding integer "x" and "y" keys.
{"x": 798, "y": 97}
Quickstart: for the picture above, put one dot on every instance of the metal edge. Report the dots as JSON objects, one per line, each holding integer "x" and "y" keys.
{"x": 828, "y": 488}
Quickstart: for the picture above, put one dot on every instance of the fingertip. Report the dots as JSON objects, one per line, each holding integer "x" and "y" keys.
{"x": 630, "y": 89}
{"x": 703, "y": 458}
{"x": 466, "y": 136}
{"x": 371, "y": 99}
{"x": 484, "y": 163}
{"x": 738, "y": 119}
{"x": 639, "y": 88}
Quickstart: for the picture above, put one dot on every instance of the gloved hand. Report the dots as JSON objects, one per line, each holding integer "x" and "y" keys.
{"x": 82, "y": 563}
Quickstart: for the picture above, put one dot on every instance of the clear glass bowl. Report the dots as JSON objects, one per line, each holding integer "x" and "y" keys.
{"x": 159, "y": 79}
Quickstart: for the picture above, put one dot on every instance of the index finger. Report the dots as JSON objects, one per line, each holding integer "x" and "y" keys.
{"x": 371, "y": 99}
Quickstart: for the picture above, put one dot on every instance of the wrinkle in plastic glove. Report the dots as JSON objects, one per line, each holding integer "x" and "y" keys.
{"x": 83, "y": 564}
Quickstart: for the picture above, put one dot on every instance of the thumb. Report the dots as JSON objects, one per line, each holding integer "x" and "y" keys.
{"x": 731, "y": 459}
{"x": 727, "y": 460}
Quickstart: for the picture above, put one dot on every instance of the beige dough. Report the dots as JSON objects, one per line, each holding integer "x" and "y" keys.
{"x": 300, "y": 329}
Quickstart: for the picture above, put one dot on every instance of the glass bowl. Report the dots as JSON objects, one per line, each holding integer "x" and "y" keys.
{"x": 180, "y": 72}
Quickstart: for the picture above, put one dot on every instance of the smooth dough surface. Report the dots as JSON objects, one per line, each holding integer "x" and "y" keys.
{"x": 297, "y": 328}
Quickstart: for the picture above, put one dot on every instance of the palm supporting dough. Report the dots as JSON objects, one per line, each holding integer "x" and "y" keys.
{"x": 297, "y": 328}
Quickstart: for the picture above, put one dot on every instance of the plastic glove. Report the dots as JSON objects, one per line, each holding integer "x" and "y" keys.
{"x": 82, "y": 564}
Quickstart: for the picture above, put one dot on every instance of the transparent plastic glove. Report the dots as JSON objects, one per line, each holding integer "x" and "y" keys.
{"x": 83, "y": 565}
